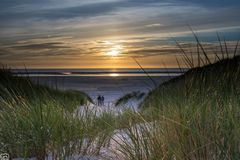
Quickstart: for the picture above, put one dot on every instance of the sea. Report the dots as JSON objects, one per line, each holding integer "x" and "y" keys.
{"x": 110, "y": 83}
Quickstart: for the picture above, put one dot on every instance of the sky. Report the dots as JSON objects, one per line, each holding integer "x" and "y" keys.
{"x": 109, "y": 33}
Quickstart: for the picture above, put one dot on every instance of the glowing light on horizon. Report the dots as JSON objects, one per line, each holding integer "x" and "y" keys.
{"x": 67, "y": 73}
{"x": 114, "y": 75}
{"x": 115, "y": 51}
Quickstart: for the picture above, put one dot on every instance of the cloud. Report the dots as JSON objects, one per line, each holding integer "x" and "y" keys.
{"x": 61, "y": 12}
{"x": 154, "y": 25}
{"x": 52, "y": 45}
{"x": 78, "y": 11}
{"x": 28, "y": 26}
{"x": 34, "y": 9}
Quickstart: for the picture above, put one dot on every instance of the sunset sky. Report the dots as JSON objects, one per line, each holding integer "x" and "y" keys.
{"x": 107, "y": 33}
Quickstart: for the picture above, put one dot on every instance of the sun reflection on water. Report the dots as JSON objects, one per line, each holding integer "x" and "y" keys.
{"x": 114, "y": 75}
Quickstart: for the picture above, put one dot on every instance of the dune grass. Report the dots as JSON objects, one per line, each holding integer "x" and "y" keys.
{"x": 36, "y": 121}
{"x": 193, "y": 116}
{"x": 189, "y": 122}
{"x": 135, "y": 95}
{"x": 23, "y": 87}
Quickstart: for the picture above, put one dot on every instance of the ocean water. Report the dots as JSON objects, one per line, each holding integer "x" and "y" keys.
{"x": 100, "y": 72}
{"x": 111, "y": 83}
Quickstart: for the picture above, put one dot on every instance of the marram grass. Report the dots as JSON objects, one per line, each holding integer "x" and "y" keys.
{"x": 194, "y": 116}
{"x": 36, "y": 121}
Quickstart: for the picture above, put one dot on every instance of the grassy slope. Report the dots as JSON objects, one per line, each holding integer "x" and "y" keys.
{"x": 36, "y": 120}
{"x": 218, "y": 77}
{"x": 23, "y": 87}
{"x": 194, "y": 116}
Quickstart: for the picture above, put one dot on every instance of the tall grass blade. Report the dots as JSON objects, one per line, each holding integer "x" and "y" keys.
{"x": 226, "y": 48}
{"x": 236, "y": 48}
{"x": 201, "y": 46}
{"x": 151, "y": 79}
{"x": 220, "y": 43}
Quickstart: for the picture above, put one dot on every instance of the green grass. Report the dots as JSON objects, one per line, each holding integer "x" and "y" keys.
{"x": 193, "y": 116}
{"x": 36, "y": 121}
{"x": 23, "y": 87}
{"x": 135, "y": 95}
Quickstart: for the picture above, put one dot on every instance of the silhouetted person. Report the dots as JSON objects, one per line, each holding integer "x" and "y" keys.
{"x": 102, "y": 100}
{"x": 99, "y": 100}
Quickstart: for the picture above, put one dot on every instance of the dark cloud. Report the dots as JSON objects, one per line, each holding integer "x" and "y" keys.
{"x": 53, "y": 45}
{"x": 7, "y": 4}
{"x": 152, "y": 52}
{"x": 208, "y": 3}
{"x": 214, "y": 3}
{"x": 86, "y": 10}
{"x": 83, "y": 11}
{"x": 78, "y": 11}
{"x": 94, "y": 9}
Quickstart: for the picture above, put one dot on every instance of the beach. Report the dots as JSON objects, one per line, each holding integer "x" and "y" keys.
{"x": 111, "y": 87}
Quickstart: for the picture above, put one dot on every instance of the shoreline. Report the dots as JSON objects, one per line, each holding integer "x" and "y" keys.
{"x": 111, "y": 87}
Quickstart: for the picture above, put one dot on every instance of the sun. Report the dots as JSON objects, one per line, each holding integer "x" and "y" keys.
{"x": 114, "y": 51}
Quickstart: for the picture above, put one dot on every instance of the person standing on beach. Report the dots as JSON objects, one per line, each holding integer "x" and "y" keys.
{"x": 99, "y": 100}
{"x": 102, "y": 100}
